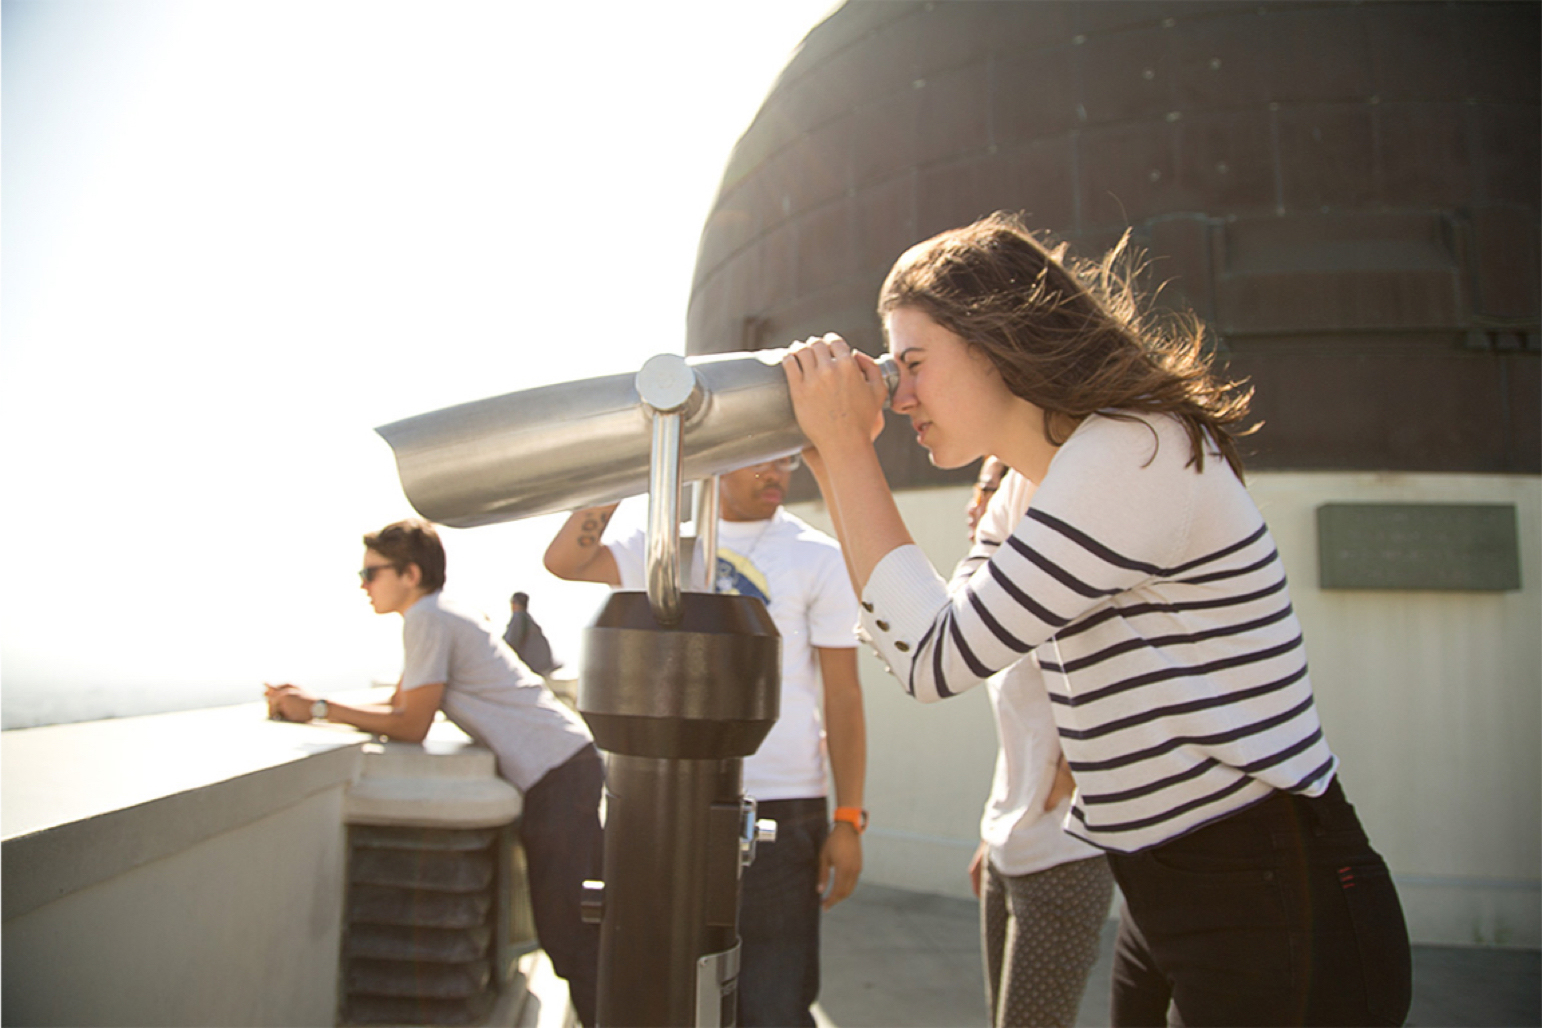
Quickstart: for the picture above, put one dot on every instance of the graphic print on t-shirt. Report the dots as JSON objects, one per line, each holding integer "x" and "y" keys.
{"x": 738, "y": 577}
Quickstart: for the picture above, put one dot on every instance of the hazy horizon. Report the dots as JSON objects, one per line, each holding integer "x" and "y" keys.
{"x": 239, "y": 236}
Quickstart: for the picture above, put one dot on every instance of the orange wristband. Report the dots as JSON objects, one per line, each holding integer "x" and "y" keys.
{"x": 853, "y": 816}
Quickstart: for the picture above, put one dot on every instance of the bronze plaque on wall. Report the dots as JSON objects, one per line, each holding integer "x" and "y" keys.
{"x": 1449, "y": 546}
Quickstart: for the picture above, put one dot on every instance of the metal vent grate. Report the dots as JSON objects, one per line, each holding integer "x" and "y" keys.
{"x": 425, "y": 924}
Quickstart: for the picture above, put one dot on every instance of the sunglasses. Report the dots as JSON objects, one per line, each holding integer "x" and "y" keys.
{"x": 367, "y": 574}
{"x": 787, "y": 464}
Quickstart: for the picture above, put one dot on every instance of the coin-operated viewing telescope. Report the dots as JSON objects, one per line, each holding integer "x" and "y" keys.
{"x": 678, "y": 687}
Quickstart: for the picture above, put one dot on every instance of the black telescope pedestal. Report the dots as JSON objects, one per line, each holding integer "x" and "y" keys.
{"x": 677, "y": 708}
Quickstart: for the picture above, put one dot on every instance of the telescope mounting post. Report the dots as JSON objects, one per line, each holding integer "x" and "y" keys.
{"x": 678, "y": 688}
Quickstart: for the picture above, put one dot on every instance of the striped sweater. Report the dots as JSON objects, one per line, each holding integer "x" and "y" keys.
{"x": 1153, "y": 599}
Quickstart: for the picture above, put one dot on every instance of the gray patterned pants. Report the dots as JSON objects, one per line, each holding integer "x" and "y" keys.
{"x": 1040, "y": 937}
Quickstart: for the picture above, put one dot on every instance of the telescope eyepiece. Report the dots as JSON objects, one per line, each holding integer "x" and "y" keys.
{"x": 891, "y": 376}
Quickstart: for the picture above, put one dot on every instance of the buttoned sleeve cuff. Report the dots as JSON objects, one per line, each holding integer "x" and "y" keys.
{"x": 902, "y": 599}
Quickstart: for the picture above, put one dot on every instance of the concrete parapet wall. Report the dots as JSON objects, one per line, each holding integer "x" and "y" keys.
{"x": 189, "y": 868}
{"x": 241, "y": 928}
{"x": 179, "y": 869}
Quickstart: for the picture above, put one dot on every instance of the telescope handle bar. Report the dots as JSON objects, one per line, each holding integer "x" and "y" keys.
{"x": 707, "y": 502}
{"x": 667, "y": 387}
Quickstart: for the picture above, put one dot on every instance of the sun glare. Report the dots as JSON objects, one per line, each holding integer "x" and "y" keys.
{"x": 239, "y": 236}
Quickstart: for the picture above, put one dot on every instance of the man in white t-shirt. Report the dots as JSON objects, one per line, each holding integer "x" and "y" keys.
{"x": 800, "y": 575}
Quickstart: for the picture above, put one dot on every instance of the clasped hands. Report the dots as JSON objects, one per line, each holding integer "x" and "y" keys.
{"x": 288, "y": 702}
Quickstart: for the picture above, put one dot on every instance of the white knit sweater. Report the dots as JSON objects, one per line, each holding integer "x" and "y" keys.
{"x": 1154, "y": 601}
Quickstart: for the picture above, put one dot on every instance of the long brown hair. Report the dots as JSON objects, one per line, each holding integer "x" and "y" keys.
{"x": 1073, "y": 338}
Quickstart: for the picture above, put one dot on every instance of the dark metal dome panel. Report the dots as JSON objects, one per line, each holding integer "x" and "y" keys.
{"x": 1348, "y": 193}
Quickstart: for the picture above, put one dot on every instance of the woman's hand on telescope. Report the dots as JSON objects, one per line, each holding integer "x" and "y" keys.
{"x": 838, "y": 396}
{"x": 837, "y": 392}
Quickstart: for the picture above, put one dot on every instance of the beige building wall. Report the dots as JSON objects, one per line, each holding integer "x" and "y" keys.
{"x": 1432, "y": 701}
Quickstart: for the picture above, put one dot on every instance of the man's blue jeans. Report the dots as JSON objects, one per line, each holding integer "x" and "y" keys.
{"x": 779, "y": 918}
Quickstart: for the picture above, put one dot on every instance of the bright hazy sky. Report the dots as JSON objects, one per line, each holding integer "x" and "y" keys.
{"x": 237, "y": 236}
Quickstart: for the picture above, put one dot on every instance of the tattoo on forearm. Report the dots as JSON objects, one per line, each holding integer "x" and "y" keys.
{"x": 590, "y": 529}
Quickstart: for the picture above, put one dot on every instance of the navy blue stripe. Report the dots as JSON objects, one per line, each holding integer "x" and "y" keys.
{"x": 1282, "y": 756}
{"x": 1110, "y": 556}
{"x": 1218, "y": 554}
{"x": 976, "y": 667}
{"x": 1160, "y": 641}
{"x": 1137, "y": 609}
{"x": 1167, "y": 674}
{"x": 1306, "y": 743}
{"x": 1166, "y": 746}
{"x": 973, "y": 560}
{"x": 1191, "y": 707}
{"x": 1091, "y": 545}
{"x": 1221, "y": 576}
{"x": 939, "y": 680}
{"x": 920, "y": 648}
{"x": 1039, "y": 611}
{"x": 969, "y": 564}
{"x": 1057, "y": 572}
{"x": 938, "y": 685}
{"x": 1316, "y": 773}
{"x": 999, "y": 630}
{"x": 1151, "y": 787}
{"x": 1147, "y": 822}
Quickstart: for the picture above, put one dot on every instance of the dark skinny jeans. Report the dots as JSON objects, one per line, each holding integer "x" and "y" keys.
{"x": 1281, "y": 914}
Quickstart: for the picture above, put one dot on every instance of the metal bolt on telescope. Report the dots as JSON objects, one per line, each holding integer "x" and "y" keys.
{"x": 678, "y": 687}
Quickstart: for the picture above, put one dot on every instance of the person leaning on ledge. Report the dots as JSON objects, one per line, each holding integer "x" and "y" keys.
{"x": 456, "y": 661}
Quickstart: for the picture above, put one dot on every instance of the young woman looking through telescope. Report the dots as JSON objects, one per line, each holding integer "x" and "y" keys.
{"x": 1144, "y": 583}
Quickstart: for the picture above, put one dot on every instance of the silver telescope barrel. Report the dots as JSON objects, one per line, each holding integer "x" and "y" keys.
{"x": 576, "y": 444}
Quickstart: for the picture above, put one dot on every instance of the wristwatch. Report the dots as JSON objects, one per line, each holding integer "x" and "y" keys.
{"x": 319, "y": 710}
{"x": 854, "y": 816}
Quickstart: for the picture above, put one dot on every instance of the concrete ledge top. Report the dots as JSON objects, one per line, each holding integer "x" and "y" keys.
{"x": 81, "y": 803}
{"x": 60, "y": 774}
{"x": 85, "y": 802}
